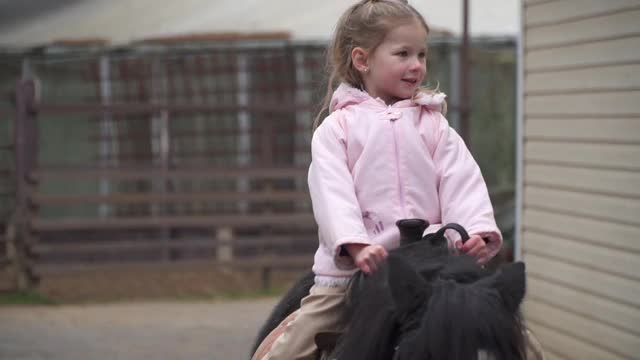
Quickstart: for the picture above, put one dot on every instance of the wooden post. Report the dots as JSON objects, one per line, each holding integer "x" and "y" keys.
{"x": 26, "y": 152}
{"x": 224, "y": 249}
{"x": 266, "y": 278}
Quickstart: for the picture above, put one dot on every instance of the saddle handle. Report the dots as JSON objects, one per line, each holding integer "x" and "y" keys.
{"x": 438, "y": 238}
{"x": 411, "y": 230}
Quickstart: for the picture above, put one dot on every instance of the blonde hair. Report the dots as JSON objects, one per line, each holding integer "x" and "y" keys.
{"x": 365, "y": 24}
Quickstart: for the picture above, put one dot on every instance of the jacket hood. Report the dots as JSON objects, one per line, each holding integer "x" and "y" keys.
{"x": 346, "y": 95}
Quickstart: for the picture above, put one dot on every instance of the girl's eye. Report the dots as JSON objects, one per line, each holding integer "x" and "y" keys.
{"x": 422, "y": 55}
{"x": 403, "y": 53}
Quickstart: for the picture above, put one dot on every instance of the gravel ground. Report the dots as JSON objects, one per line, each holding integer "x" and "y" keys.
{"x": 132, "y": 331}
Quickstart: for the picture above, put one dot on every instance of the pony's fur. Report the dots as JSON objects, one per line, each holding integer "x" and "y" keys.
{"x": 424, "y": 303}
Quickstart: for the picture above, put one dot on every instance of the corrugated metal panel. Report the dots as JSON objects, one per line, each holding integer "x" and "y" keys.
{"x": 581, "y": 200}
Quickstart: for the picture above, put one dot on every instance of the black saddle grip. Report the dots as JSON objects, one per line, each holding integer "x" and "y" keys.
{"x": 438, "y": 239}
{"x": 411, "y": 230}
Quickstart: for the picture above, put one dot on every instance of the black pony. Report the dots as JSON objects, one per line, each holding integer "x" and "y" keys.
{"x": 424, "y": 303}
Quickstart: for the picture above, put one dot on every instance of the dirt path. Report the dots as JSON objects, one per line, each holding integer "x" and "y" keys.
{"x": 135, "y": 331}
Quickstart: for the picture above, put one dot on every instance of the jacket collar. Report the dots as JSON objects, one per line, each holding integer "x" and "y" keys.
{"x": 347, "y": 95}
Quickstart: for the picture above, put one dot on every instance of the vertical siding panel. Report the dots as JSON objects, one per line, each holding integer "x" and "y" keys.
{"x": 581, "y": 197}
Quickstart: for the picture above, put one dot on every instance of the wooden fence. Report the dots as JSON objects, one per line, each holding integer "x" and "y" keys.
{"x": 161, "y": 177}
{"x": 262, "y": 225}
{"x": 164, "y": 158}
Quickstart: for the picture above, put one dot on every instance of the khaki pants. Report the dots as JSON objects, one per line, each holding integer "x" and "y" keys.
{"x": 319, "y": 311}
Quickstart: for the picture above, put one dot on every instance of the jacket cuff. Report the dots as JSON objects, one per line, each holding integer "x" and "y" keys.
{"x": 493, "y": 240}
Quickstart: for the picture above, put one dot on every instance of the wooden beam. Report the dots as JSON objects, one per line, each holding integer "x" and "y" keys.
{"x": 132, "y": 108}
{"x": 149, "y": 198}
{"x": 123, "y": 246}
{"x": 149, "y": 173}
{"x": 193, "y": 221}
{"x": 288, "y": 262}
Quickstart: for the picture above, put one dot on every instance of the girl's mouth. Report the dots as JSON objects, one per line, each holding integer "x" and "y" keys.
{"x": 410, "y": 81}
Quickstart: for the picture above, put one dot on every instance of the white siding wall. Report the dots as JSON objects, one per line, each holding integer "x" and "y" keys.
{"x": 581, "y": 172}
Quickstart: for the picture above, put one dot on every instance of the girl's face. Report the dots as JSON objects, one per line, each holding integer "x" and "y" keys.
{"x": 398, "y": 65}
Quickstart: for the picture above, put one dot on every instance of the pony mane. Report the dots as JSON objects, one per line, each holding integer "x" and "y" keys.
{"x": 463, "y": 319}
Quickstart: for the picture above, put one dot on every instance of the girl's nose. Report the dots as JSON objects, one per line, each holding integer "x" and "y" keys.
{"x": 416, "y": 64}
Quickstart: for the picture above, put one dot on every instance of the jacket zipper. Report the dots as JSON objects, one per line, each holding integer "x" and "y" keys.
{"x": 398, "y": 175}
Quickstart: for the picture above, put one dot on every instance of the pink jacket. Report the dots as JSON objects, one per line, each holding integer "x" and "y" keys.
{"x": 374, "y": 164}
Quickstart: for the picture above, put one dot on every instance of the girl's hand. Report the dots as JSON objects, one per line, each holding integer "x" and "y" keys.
{"x": 475, "y": 247}
{"x": 366, "y": 257}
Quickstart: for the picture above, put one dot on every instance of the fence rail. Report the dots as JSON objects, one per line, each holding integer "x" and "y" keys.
{"x": 146, "y": 108}
{"x": 149, "y": 172}
{"x": 190, "y": 221}
{"x": 155, "y": 198}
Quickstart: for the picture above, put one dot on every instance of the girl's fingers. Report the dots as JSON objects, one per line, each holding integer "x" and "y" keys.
{"x": 474, "y": 251}
{"x": 473, "y": 241}
{"x": 380, "y": 252}
{"x": 369, "y": 265}
{"x": 375, "y": 257}
{"x": 365, "y": 265}
{"x": 478, "y": 249}
{"x": 369, "y": 258}
{"x": 474, "y": 245}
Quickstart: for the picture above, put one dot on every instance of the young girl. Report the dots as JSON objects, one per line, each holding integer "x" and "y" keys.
{"x": 384, "y": 153}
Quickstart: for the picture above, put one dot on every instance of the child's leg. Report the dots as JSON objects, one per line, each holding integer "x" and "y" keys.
{"x": 319, "y": 311}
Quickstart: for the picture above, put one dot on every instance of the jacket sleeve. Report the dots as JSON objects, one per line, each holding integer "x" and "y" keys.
{"x": 335, "y": 206}
{"x": 464, "y": 197}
